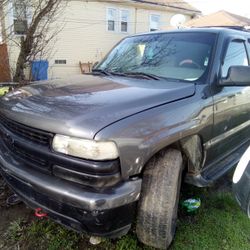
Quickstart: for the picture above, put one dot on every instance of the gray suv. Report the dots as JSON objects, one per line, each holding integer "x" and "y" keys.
{"x": 97, "y": 151}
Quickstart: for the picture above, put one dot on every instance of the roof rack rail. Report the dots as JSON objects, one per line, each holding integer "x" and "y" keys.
{"x": 240, "y": 28}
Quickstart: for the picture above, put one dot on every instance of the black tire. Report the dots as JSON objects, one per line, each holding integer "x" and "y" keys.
{"x": 248, "y": 206}
{"x": 158, "y": 205}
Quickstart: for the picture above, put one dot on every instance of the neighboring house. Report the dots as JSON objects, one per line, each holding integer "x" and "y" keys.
{"x": 220, "y": 18}
{"x": 92, "y": 28}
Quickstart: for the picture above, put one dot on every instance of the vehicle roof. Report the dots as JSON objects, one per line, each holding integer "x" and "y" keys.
{"x": 217, "y": 30}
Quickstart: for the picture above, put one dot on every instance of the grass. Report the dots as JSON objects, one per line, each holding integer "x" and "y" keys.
{"x": 15, "y": 230}
{"x": 218, "y": 224}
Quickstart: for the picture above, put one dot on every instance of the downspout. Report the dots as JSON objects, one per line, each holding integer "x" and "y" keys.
{"x": 136, "y": 19}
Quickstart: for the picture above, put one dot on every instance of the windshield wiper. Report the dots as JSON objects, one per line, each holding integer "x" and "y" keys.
{"x": 127, "y": 74}
{"x": 142, "y": 74}
{"x": 136, "y": 74}
{"x": 101, "y": 71}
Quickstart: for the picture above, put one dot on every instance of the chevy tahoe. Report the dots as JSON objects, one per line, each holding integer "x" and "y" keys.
{"x": 97, "y": 151}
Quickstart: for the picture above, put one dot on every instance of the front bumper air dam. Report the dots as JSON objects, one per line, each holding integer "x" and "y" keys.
{"x": 106, "y": 213}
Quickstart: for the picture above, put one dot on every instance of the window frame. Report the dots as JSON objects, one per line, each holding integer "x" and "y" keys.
{"x": 247, "y": 45}
{"x": 115, "y": 19}
{"x": 12, "y": 18}
{"x": 120, "y": 20}
{"x": 229, "y": 41}
{"x": 150, "y": 21}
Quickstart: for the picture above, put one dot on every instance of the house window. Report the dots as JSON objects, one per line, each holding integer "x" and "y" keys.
{"x": 60, "y": 62}
{"x": 154, "y": 22}
{"x": 111, "y": 19}
{"x": 124, "y": 16}
{"x": 20, "y": 17}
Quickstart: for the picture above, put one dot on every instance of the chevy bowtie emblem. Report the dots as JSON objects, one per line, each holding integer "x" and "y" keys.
{"x": 8, "y": 139}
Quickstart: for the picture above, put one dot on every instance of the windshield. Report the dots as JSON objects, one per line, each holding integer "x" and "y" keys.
{"x": 180, "y": 56}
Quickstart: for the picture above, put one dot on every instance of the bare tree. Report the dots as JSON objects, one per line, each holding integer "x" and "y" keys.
{"x": 36, "y": 35}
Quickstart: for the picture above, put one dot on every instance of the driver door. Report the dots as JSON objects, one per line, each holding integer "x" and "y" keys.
{"x": 231, "y": 106}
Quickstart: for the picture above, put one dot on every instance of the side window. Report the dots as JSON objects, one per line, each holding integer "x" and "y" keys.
{"x": 236, "y": 55}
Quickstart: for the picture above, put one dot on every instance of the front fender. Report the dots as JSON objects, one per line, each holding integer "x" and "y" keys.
{"x": 140, "y": 136}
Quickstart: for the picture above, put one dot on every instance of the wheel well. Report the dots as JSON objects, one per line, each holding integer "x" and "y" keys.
{"x": 192, "y": 148}
{"x": 192, "y": 152}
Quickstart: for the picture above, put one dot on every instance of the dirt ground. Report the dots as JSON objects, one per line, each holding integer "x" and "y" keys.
{"x": 10, "y": 213}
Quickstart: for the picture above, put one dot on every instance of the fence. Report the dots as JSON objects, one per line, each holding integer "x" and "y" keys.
{"x": 4, "y": 64}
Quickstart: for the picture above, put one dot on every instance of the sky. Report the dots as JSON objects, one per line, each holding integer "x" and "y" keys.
{"x": 240, "y": 7}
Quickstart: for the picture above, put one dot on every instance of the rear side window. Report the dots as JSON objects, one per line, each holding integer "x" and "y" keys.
{"x": 236, "y": 56}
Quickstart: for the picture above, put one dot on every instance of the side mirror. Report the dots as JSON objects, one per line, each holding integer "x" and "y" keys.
{"x": 237, "y": 76}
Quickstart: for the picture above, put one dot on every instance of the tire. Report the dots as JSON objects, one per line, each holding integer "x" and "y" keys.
{"x": 158, "y": 205}
{"x": 248, "y": 206}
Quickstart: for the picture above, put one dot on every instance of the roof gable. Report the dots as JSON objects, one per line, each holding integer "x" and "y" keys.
{"x": 220, "y": 18}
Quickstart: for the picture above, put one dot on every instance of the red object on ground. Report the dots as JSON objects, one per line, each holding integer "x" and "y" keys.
{"x": 39, "y": 213}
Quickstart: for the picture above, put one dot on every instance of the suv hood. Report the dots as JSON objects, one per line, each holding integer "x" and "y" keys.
{"x": 83, "y": 105}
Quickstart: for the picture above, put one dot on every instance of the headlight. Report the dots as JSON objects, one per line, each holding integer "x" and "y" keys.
{"x": 86, "y": 149}
{"x": 17, "y": 94}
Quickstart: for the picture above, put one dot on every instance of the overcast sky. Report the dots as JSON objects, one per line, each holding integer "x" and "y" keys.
{"x": 240, "y": 7}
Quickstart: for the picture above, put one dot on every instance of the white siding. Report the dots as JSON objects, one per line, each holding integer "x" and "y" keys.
{"x": 85, "y": 37}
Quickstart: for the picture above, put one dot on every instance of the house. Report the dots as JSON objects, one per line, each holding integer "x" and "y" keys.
{"x": 220, "y": 18}
{"x": 91, "y": 28}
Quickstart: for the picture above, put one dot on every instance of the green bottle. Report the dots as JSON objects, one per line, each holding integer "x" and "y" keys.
{"x": 191, "y": 205}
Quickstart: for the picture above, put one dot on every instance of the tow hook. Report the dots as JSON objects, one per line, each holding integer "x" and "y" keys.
{"x": 39, "y": 213}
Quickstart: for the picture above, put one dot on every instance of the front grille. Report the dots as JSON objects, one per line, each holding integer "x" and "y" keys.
{"x": 13, "y": 136}
{"x": 29, "y": 157}
{"x": 31, "y": 134}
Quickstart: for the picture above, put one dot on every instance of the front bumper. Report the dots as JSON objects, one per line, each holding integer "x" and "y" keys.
{"x": 105, "y": 213}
